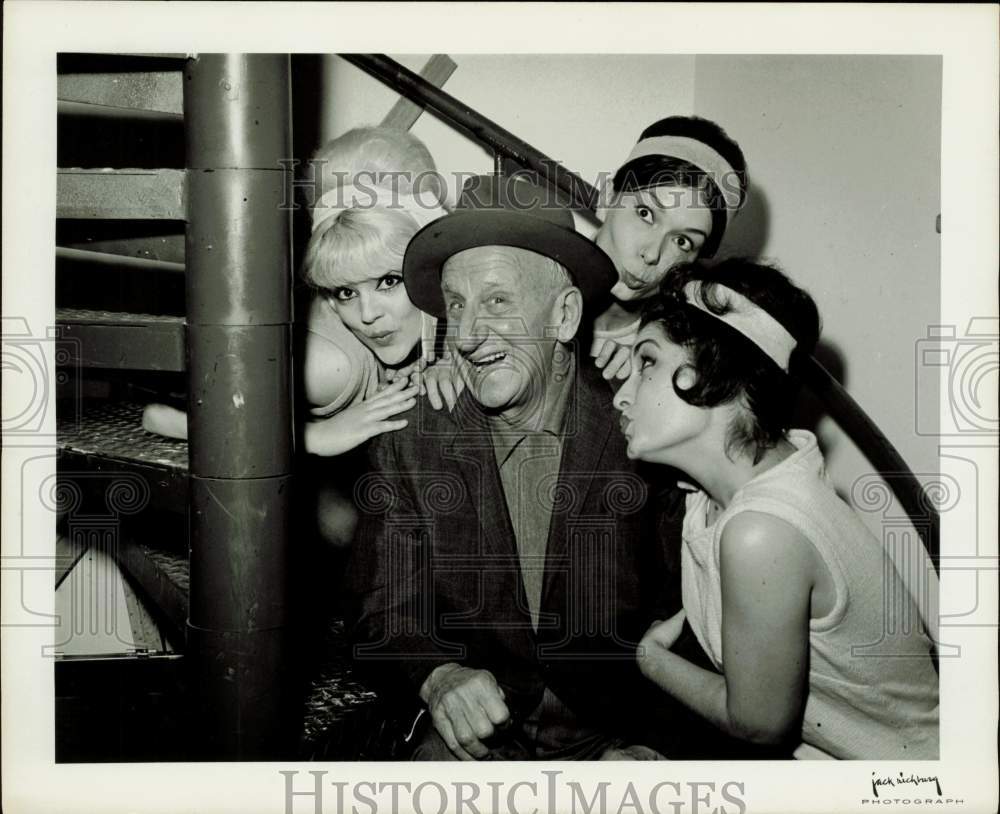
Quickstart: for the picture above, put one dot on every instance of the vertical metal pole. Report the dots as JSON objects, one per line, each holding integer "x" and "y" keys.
{"x": 238, "y": 259}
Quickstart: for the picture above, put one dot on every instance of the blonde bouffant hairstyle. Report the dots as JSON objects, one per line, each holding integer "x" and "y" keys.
{"x": 372, "y": 237}
{"x": 379, "y": 156}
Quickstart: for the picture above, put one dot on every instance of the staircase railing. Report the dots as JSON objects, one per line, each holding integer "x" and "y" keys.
{"x": 851, "y": 417}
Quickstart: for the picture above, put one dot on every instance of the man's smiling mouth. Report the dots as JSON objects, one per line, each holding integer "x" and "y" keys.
{"x": 488, "y": 359}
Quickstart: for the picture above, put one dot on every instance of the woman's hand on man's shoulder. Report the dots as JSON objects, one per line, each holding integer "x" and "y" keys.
{"x": 442, "y": 382}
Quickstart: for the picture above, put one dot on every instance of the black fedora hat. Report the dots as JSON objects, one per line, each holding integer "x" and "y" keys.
{"x": 504, "y": 210}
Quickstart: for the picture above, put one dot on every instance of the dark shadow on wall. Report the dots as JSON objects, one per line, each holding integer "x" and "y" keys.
{"x": 748, "y": 234}
{"x": 809, "y": 410}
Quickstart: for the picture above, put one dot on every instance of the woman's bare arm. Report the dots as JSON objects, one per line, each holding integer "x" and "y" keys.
{"x": 768, "y": 572}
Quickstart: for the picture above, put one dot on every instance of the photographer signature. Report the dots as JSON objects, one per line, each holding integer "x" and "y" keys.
{"x": 903, "y": 780}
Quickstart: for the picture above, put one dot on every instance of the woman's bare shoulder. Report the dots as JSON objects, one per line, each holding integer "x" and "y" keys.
{"x": 327, "y": 370}
{"x": 757, "y": 546}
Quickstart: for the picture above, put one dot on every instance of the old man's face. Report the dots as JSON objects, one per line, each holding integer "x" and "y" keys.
{"x": 504, "y": 317}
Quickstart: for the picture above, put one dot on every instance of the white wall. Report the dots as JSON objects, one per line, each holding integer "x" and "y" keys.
{"x": 844, "y": 160}
{"x": 844, "y": 156}
{"x": 586, "y": 111}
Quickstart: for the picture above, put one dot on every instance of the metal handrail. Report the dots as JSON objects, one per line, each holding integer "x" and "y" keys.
{"x": 848, "y": 414}
{"x": 459, "y": 115}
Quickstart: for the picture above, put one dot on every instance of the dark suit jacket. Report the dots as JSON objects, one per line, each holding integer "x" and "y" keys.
{"x": 435, "y": 575}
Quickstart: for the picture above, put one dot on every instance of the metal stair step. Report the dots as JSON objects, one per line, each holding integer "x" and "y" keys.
{"x": 107, "y": 438}
{"x": 114, "y": 430}
{"x": 164, "y": 577}
{"x": 118, "y": 114}
{"x": 116, "y": 261}
{"x": 152, "y": 240}
{"x": 341, "y": 716}
{"x": 120, "y": 194}
{"x": 116, "y": 340}
{"x": 124, "y": 91}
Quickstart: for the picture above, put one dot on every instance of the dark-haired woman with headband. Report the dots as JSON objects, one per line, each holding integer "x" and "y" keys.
{"x": 668, "y": 204}
{"x": 791, "y": 597}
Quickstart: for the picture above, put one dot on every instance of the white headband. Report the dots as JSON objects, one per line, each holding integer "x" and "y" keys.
{"x": 702, "y": 156}
{"x": 348, "y": 196}
{"x": 750, "y": 320}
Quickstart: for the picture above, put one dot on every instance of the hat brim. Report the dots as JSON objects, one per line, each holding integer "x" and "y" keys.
{"x": 589, "y": 267}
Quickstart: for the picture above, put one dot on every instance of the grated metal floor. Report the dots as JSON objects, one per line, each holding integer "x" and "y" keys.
{"x": 114, "y": 430}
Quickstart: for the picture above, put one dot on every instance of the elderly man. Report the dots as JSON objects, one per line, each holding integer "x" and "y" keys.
{"x": 504, "y": 560}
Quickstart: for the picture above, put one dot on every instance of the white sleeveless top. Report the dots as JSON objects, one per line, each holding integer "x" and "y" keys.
{"x": 873, "y": 690}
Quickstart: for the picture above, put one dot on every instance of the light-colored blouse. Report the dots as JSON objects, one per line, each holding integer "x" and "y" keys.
{"x": 873, "y": 689}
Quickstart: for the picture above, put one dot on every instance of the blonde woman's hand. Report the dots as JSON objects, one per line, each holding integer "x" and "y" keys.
{"x": 411, "y": 372}
{"x": 359, "y": 422}
{"x": 442, "y": 382}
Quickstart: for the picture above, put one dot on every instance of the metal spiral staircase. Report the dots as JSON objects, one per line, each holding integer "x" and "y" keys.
{"x": 174, "y": 274}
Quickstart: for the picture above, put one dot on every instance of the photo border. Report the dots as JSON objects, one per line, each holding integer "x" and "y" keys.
{"x": 34, "y": 32}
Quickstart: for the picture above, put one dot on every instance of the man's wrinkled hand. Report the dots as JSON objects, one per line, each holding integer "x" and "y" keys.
{"x": 466, "y": 706}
